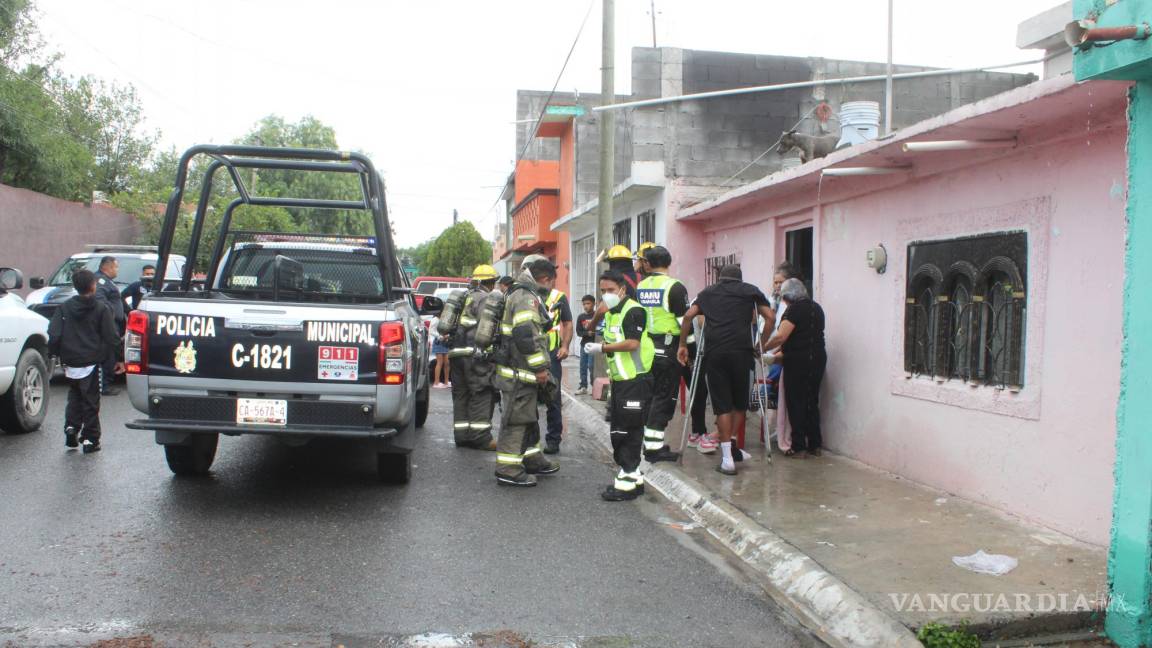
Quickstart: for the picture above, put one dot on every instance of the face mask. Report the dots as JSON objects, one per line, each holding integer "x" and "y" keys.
{"x": 611, "y": 300}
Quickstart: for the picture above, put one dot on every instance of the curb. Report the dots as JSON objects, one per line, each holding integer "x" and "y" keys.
{"x": 839, "y": 615}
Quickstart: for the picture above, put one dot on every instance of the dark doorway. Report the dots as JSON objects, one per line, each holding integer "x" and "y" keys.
{"x": 798, "y": 252}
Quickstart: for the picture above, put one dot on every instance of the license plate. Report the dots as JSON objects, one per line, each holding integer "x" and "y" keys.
{"x": 261, "y": 411}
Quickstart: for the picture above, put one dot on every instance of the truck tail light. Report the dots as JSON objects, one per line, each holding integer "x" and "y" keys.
{"x": 392, "y": 359}
{"x": 136, "y": 343}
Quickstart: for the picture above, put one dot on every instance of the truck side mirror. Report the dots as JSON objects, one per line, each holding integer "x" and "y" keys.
{"x": 36, "y": 283}
{"x": 431, "y": 305}
{"x": 10, "y": 279}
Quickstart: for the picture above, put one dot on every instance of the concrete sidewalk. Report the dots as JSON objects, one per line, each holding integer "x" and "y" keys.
{"x": 864, "y": 557}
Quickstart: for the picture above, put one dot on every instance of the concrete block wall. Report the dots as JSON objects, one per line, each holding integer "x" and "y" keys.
{"x": 712, "y": 141}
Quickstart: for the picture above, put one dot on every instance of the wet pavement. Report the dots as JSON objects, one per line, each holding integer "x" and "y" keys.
{"x": 302, "y": 546}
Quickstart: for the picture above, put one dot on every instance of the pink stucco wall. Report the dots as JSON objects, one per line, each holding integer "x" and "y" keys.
{"x": 1045, "y": 453}
{"x": 39, "y": 232}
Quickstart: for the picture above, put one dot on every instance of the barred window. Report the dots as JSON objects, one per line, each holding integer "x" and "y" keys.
{"x": 965, "y": 309}
{"x": 713, "y": 264}
{"x": 622, "y": 233}
{"x": 646, "y": 227}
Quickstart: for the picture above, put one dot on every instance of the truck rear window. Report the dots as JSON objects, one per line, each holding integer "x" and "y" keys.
{"x": 327, "y": 273}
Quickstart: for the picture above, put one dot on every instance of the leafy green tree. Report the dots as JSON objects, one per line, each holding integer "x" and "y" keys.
{"x": 309, "y": 132}
{"x": 456, "y": 252}
{"x": 58, "y": 135}
{"x": 111, "y": 119}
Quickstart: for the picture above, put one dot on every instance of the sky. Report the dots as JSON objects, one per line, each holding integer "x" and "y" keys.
{"x": 428, "y": 87}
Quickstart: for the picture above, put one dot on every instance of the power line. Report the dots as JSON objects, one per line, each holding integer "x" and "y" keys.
{"x": 117, "y": 65}
{"x": 544, "y": 108}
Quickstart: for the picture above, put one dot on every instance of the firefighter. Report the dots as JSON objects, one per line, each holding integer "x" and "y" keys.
{"x": 666, "y": 300}
{"x": 523, "y": 377}
{"x": 629, "y": 353}
{"x": 559, "y": 340}
{"x": 638, "y": 260}
{"x": 620, "y": 260}
{"x": 472, "y": 393}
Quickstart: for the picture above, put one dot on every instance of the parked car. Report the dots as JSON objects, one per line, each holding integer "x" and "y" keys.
{"x": 424, "y": 286}
{"x": 23, "y": 359}
{"x": 50, "y": 293}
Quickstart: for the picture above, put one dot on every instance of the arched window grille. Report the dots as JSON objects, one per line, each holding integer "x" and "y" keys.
{"x": 967, "y": 323}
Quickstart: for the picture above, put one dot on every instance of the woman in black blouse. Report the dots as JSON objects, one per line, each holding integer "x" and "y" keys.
{"x": 801, "y": 341}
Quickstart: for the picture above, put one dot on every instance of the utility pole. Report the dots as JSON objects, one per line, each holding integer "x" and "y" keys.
{"x": 652, "y": 8}
{"x": 455, "y": 217}
{"x": 888, "y": 81}
{"x": 607, "y": 127}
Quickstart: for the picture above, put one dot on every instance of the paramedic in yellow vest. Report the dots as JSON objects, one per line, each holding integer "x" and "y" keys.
{"x": 666, "y": 300}
{"x": 559, "y": 339}
{"x": 629, "y": 352}
{"x": 473, "y": 397}
{"x": 521, "y": 374}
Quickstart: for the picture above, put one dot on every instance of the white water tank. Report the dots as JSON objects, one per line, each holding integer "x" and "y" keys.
{"x": 859, "y": 122}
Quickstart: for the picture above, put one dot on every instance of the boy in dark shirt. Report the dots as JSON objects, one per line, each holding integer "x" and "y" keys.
{"x": 82, "y": 334}
{"x": 586, "y": 333}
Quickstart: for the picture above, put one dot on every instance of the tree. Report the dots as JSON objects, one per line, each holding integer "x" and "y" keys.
{"x": 309, "y": 132}
{"x": 111, "y": 119}
{"x": 457, "y": 251}
{"x": 58, "y": 135}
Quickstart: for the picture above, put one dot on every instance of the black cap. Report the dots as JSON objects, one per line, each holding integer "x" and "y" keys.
{"x": 506, "y": 281}
{"x": 731, "y": 272}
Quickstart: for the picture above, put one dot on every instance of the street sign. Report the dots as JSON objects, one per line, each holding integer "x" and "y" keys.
{"x": 565, "y": 111}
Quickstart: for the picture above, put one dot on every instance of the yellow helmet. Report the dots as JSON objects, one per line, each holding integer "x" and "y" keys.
{"x": 484, "y": 272}
{"x": 619, "y": 252}
{"x": 643, "y": 246}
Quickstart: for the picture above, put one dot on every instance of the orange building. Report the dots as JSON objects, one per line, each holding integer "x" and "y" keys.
{"x": 539, "y": 192}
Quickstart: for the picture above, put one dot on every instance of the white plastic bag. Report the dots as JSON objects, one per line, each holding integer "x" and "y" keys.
{"x": 985, "y": 563}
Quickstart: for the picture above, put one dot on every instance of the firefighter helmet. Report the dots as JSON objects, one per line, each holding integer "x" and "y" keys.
{"x": 484, "y": 272}
{"x": 643, "y": 247}
{"x": 532, "y": 258}
{"x": 617, "y": 252}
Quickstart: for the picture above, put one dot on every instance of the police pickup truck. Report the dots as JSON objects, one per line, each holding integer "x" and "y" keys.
{"x": 293, "y": 336}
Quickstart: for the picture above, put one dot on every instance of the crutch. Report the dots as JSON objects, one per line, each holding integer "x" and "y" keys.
{"x": 697, "y": 365}
{"x": 765, "y": 435}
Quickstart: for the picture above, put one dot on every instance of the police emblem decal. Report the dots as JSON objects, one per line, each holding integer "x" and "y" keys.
{"x": 185, "y": 360}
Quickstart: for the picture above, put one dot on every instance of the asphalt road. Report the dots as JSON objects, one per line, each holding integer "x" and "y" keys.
{"x": 302, "y": 546}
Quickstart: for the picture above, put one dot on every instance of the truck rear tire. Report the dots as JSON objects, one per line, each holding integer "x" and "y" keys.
{"x": 423, "y": 400}
{"x": 394, "y": 468}
{"x": 194, "y": 458}
{"x": 22, "y": 409}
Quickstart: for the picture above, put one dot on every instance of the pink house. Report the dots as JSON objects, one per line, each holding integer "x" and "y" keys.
{"x": 984, "y": 357}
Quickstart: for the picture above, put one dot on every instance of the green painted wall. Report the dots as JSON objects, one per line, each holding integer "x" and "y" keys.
{"x": 1129, "y": 619}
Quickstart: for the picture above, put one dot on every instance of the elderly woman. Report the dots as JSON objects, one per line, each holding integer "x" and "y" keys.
{"x": 800, "y": 338}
